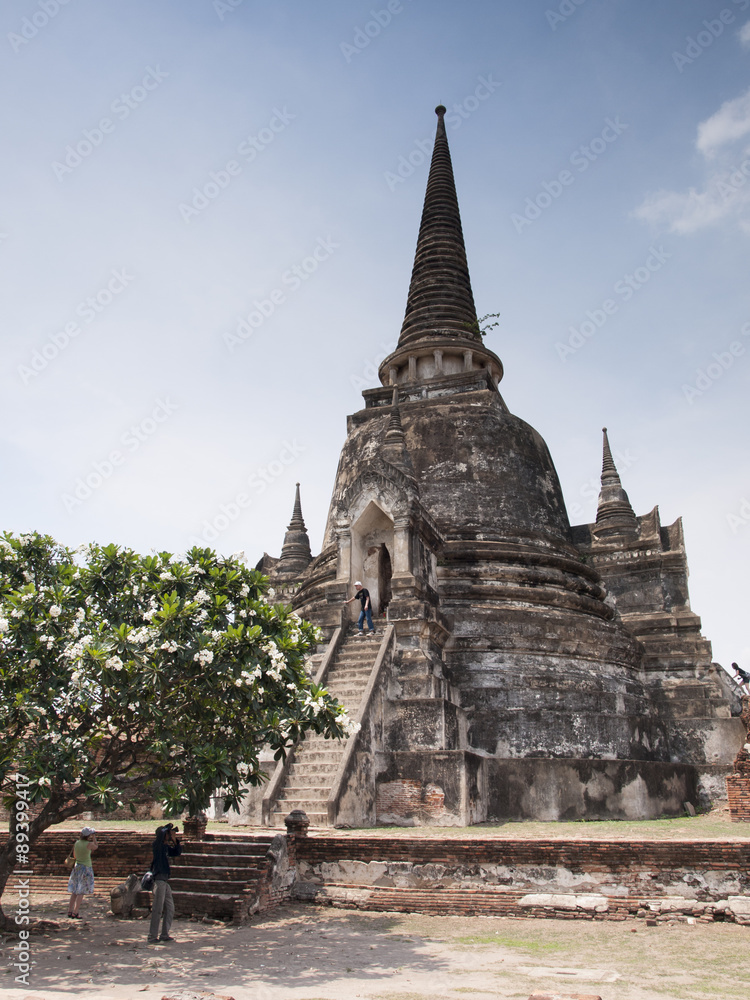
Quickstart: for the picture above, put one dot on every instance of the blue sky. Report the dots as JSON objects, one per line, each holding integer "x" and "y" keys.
{"x": 173, "y": 167}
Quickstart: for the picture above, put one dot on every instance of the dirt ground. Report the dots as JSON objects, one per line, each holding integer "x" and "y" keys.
{"x": 313, "y": 953}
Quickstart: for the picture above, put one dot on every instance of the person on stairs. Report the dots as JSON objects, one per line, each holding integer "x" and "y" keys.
{"x": 363, "y": 596}
{"x": 741, "y": 678}
{"x": 165, "y": 846}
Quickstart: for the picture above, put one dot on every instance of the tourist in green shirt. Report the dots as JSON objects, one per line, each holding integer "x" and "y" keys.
{"x": 81, "y": 878}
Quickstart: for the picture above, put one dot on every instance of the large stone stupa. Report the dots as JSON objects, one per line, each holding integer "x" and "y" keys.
{"x": 527, "y": 668}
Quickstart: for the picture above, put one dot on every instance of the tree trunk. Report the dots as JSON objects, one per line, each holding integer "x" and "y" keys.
{"x": 7, "y": 861}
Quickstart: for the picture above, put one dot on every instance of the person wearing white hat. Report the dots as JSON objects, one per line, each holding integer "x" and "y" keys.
{"x": 363, "y": 596}
{"x": 81, "y": 878}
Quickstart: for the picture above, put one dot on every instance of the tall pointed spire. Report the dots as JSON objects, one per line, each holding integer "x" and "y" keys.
{"x": 440, "y": 298}
{"x": 614, "y": 514}
{"x": 440, "y": 335}
{"x": 297, "y": 520}
{"x": 295, "y": 552}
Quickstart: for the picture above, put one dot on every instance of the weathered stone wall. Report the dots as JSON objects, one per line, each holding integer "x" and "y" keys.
{"x": 606, "y": 879}
{"x": 587, "y": 789}
{"x": 460, "y": 788}
{"x": 440, "y": 788}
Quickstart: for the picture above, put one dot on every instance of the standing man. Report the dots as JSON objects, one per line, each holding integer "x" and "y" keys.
{"x": 165, "y": 846}
{"x": 363, "y": 595}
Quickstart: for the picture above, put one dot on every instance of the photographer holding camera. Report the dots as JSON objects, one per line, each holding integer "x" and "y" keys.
{"x": 165, "y": 846}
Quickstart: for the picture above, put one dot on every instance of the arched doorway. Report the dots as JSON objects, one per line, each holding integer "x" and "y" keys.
{"x": 385, "y": 572}
{"x": 372, "y": 544}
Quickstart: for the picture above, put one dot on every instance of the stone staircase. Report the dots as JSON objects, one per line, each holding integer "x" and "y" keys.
{"x": 310, "y": 775}
{"x": 212, "y": 876}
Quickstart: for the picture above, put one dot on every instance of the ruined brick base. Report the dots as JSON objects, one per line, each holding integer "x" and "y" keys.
{"x": 738, "y": 794}
{"x": 507, "y": 903}
{"x": 657, "y": 881}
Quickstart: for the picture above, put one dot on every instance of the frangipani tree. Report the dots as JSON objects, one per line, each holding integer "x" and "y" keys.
{"x": 126, "y": 678}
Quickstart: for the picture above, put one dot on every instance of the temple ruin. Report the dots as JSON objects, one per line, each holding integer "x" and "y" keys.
{"x": 523, "y": 667}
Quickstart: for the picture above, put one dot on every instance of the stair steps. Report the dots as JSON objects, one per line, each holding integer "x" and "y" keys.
{"x": 316, "y": 759}
{"x": 211, "y": 874}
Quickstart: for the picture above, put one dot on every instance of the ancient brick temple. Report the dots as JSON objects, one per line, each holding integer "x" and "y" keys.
{"x": 523, "y": 667}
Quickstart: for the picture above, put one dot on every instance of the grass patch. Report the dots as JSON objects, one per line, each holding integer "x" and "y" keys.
{"x": 708, "y": 826}
{"x": 468, "y": 989}
{"x": 405, "y": 996}
{"x": 146, "y": 825}
{"x": 529, "y": 945}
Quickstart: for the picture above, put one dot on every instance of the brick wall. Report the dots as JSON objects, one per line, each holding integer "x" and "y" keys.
{"x": 119, "y": 854}
{"x": 697, "y": 879}
{"x": 738, "y": 794}
{"x": 624, "y": 857}
{"x": 738, "y": 784}
{"x": 592, "y": 880}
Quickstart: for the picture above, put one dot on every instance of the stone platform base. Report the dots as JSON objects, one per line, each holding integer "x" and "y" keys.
{"x": 576, "y": 788}
{"x": 510, "y": 903}
{"x": 461, "y": 788}
{"x": 571, "y": 879}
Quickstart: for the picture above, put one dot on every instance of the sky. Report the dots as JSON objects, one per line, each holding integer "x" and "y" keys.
{"x": 209, "y": 215}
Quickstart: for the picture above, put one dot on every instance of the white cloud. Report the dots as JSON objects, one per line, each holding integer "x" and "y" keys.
{"x": 725, "y": 194}
{"x": 744, "y": 34}
{"x": 684, "y": 213}
{"x": 731, "y": 122}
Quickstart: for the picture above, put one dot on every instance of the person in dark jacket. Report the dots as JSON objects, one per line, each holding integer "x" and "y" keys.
{"x": 363, "y": 596}
{"x": 166, "y": 845}
{"x": 742, "y": 678}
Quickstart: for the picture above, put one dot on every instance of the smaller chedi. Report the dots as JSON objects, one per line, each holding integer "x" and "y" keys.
{"x": 523, "y": 667}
